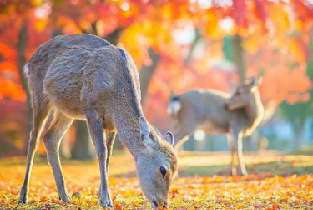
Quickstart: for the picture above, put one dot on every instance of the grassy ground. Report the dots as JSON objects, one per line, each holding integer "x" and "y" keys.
{"x": 276, "y": 182}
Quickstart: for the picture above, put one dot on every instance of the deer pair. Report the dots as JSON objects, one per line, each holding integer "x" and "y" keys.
{"x": 217, "y": 112}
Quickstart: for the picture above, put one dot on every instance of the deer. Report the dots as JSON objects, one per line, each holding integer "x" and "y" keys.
{"x": 217, "y": 112}
{"x": 84, "y": 77}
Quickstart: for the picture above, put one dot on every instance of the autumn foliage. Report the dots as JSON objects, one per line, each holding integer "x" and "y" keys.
{"x": 137, "y": 25}
{"x": 282, "y": 184}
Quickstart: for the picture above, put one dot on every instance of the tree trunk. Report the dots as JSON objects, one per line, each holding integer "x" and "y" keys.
{"x": 146, "y": 73}
{"x": 65, "y": 150}
{"x": 192, "y": 48}
{"x": 239, "y": 57}
{"x": 82, "y": 148}
{"x": 57, "y": 32}
{"x": 228, "y": 48}
{"x": 114, "y": 36}
{"x": 21, "y": 61}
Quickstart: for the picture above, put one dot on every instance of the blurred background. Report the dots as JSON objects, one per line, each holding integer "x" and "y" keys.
{"x": 177, "y": 45}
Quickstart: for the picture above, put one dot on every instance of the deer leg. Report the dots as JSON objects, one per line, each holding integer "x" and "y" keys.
{"x": 182, "y": 134}
{"x": 52, "y": 141}
{"x": 232, "y": 146}
{"x": 95, "y": 128}
{"x": 240, "y": 157}
{"x": 181, "y": 142}
{"x": 237, "y": 138}
{"x": 40, "y": 113}
{"x": 110, "y": 136}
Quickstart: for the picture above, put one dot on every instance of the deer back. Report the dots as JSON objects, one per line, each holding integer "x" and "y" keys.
{"x": 39, "y": 63}
{"x": 207, "y": 108}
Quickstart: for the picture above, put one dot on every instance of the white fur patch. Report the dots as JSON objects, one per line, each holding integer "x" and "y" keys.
{"x": 173, "y": 107}
{"x": 26, "y": 69}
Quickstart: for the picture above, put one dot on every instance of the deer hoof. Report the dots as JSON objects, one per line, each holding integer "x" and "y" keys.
{"x": 106, "y": 202}
{"x": 233, "y": 172}
{"x": 22, "y": 201}
{"x": 106, "y": 205}
{"x": 23, "y": 197}
{"x": 244, "y": 174}
{"x": 65, "y": 198}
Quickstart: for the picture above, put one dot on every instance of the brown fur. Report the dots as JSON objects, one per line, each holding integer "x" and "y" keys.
{"x": 84, "y": 77}
{"x": 217, "y": 112}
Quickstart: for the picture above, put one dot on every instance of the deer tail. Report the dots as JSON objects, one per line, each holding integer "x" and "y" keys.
{"x": 174, "y": 106}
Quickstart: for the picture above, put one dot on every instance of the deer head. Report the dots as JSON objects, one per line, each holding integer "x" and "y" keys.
{"x": 244, "y": 93}
{"x": 156, "y": 164}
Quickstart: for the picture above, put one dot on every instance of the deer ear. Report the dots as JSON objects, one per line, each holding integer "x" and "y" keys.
{"x": 169, "y": 137}
{"x": 256, "y": 84}
{"x": 144, "y": 129}
{"x": 145, "y": 135}
{"x": 250, "y": 81}
{"x": 258, "y": 81}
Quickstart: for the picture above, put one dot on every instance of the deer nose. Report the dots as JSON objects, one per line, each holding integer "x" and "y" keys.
{"x": 155, "y": 204}
{"x": 160, "y": 202}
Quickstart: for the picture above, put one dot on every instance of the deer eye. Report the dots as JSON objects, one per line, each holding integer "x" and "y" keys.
{"x": 163, "y": 171}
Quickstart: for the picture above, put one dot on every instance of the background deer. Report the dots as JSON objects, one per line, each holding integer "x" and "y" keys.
{"x": 84, "y": 77}
{"x": 217, "y": 112}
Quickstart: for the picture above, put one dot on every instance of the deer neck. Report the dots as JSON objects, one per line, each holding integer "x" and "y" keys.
{"x": 254, "y": 108}
{"x": 126, "y": 115}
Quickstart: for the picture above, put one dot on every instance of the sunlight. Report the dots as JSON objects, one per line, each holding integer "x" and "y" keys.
{"x": 227, "y": 24}
{"x": 41, "y": 13}
{"x": 125, "y": 6}
{"x": 199, "y": 135}
{"x": 185, "y": 35}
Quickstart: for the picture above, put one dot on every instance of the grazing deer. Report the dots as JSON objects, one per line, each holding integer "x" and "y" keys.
{"x": 84, "y": 77}
{"x": 217, "y": 112}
